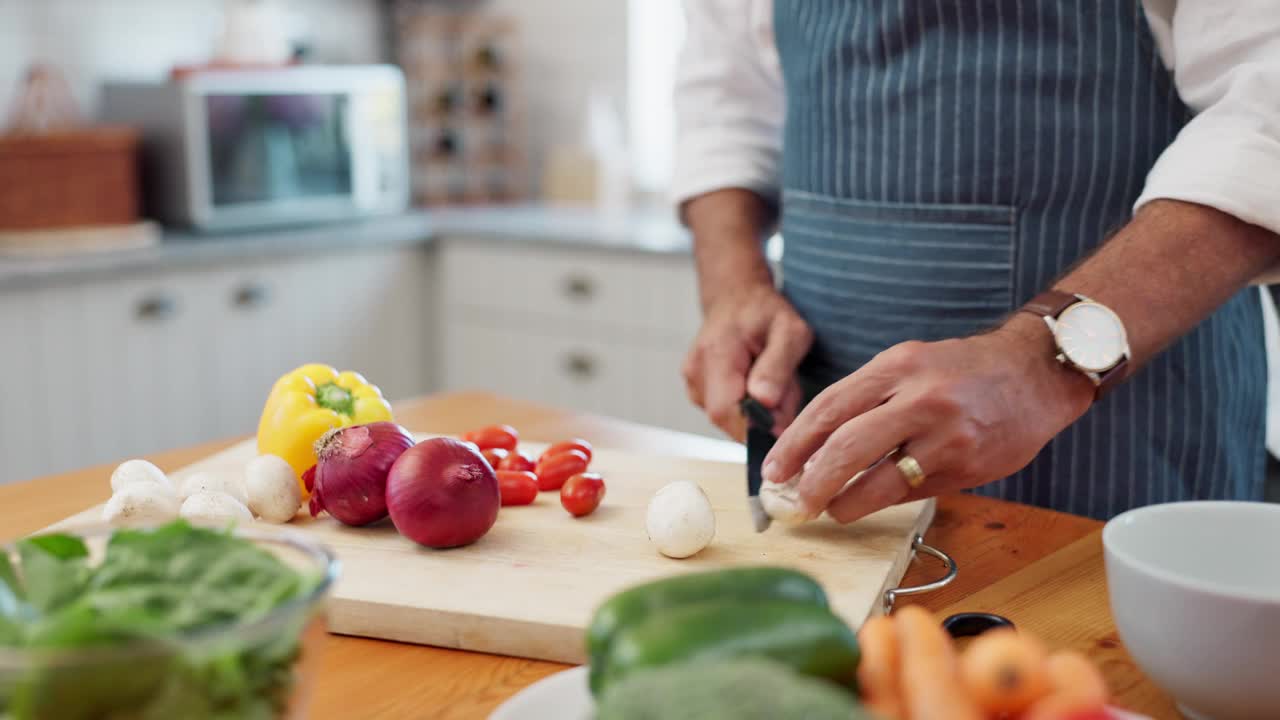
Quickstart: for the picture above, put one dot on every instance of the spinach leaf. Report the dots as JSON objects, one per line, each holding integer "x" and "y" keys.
{"x": 55, "y": 569}
{"x": 63, "y": 547}
{"x": 13, "y": 608}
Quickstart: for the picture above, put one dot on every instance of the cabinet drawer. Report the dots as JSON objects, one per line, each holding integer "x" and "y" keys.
{"x": 564, "y": 371}
{"x": 623, "y": 380}
{"x": 611, "y": 292}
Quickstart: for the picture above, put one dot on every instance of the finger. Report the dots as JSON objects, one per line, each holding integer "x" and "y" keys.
{"x": 788, "y": 342}
{"x": 787, "y": 408}
{"x": 724, "y": 382}
{"x": 886, "y": 485}
{"x": 692, "y": 372}
{"x": 882, "y": 486}
{"x": 847, "y": 399}
{"x": 852, "y": 448}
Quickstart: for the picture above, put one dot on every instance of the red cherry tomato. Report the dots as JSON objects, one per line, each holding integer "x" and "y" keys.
{"x": 495, "y": 456}
{"x": 582, "y": 493}
{"x": 516, "y": 487}
{"x": 493, "y": 436}
{"x": 578, "y": 444}
{"x": 554, "y": 470}
{"x": 519, "y": 460}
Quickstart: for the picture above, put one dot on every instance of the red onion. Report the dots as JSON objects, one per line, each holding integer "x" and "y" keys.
{"x": 442, "y": 493}
{"x": 351, "y": 471}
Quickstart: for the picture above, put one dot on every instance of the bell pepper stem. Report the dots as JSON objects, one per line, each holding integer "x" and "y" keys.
{"x": 330, "y": 396}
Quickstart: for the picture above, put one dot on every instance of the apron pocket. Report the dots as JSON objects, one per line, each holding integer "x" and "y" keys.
{"x": 867, "y": 276}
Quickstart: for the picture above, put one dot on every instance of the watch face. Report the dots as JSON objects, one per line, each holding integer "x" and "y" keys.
{"x": 1091, "y": 336}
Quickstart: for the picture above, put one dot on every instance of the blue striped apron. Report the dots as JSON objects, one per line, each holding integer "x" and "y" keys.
{"x": 944, "y": 161}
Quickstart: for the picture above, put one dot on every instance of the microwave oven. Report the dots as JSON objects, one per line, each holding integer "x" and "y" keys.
{"x": 237, "y": 149}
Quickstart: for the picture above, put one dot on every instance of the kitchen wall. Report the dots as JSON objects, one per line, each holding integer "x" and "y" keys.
{"x": 92, "y": 40}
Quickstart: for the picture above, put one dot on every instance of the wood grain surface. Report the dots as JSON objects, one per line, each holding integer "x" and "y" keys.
{"x": 1005, "y": 551}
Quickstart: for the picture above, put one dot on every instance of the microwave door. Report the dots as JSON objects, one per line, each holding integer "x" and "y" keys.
{"x": 280, "y": 157}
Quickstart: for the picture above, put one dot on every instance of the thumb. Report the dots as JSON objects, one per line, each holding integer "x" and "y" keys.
{"x": 774, "y": 369}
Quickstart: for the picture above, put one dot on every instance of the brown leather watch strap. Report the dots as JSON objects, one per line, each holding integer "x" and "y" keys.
{"x": 1050, "y": 303}
{"x": 1108, "y": 380}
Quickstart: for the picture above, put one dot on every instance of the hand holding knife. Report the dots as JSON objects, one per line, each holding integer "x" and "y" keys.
{"x": 760, "y": 440}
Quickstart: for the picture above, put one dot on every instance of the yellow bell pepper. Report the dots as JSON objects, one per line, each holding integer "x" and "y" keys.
{"x": 307, "y": 403}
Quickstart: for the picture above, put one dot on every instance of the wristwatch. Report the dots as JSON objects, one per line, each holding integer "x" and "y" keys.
{"x": 1090, "y": 337}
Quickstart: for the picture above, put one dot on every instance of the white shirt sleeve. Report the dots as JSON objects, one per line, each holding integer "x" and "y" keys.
{"x": 1226, "y": 63}
{"x": 729, "y": 100}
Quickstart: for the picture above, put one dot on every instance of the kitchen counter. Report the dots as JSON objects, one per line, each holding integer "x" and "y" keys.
{"x": 653, "y": 231}
{"x": 1042, "y": 569}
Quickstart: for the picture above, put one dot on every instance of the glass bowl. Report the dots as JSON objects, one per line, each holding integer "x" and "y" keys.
{"x": 233, "y": 669}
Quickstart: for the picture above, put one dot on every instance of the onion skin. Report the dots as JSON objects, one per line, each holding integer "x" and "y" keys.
{"x": 441, "y": 493}
{"x": 352, "y": 464}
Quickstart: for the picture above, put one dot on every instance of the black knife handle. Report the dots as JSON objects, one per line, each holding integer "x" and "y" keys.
{"x": 757, "y": 415}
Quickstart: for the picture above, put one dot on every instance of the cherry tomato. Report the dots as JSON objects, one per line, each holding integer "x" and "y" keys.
{"x": 554, "y": 470}
{"x": 518, "y": 460}
{"x": 582, "y": 493}
{"x": 495, "y": 456}
{"x": 493, "y": 436}
{"x": 516, "y": 487}
{"x": 578, "y": 444}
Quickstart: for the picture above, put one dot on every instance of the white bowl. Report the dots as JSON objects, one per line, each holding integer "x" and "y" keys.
{"x": 1195, "y": 591}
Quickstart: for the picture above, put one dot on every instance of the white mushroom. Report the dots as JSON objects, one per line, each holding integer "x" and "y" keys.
{"x": 131, "y": 472}
{"x": 274, "y": 494}
{"x": 781, "y": 501}
{"x": 214, "y": 508}
{"x": 213, "y": 481}
{"x": 680, "y": 520}
{"x": 141, "y": 503}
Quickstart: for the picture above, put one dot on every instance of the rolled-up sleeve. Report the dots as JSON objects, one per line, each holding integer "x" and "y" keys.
{"x": 728, "y": 101}
{"x": 1226, "y": 61}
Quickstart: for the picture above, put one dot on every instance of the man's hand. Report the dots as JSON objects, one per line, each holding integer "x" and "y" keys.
{"x": 970, "y": 411}
{"x": 750, "y": 343}
{"x": 751, "y": 338}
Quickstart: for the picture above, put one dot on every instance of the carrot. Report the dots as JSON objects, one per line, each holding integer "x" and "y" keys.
{"x": 1078, "y": 690}
{"x": 1060, "y": 706}
{"x": 929, "y": 674}
{"x": 878, "y": 671}
{"x": 1071, "y": 672}
{"x": 1004, "y": 671}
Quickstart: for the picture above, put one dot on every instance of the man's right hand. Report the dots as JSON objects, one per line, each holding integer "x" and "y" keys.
{"x": 751, "y": 342}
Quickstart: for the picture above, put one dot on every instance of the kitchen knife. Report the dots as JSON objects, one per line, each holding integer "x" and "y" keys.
{"x": 760, "y": 440}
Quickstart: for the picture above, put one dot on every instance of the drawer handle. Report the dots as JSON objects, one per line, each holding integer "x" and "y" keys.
{"x": 579, "y": 287}
{"x": 250, "y": 297}
{"x": 155, "y": 308}
{"x": 580, "y": 366}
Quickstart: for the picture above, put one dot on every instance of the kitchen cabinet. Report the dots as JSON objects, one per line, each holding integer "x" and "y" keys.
{"x": 590, "y": 329}
{"x": 94, "y": 371}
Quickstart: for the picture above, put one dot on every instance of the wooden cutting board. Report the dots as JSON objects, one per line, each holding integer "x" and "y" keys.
{"x": 529, "y": 587}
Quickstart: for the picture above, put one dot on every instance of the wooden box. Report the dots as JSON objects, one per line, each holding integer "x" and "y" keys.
{"x": 69, "y": 178}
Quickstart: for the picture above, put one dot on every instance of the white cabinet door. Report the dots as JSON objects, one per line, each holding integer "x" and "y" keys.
{"x": 368, "y": 312}
{"x": 103, "y": 370}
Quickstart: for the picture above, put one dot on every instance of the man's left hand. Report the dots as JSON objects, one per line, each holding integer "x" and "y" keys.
{"x": 970, "y": 411}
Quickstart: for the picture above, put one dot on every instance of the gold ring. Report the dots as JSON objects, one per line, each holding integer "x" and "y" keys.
{"x": 910, "y": 469}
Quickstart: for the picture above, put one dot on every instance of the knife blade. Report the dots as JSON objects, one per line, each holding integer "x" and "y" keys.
{"x": 760, "y": 440}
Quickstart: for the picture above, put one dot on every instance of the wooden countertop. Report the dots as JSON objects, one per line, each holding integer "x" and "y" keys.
{"x": 1041, "y": 569}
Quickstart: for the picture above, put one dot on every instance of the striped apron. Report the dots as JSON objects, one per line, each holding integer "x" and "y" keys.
{"x": 945, "y": 161}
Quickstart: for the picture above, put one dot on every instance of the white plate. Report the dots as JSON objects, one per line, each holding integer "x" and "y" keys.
{"x": 565, "y": 696}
